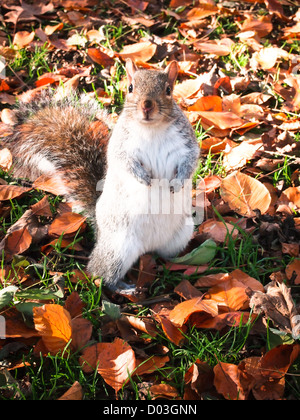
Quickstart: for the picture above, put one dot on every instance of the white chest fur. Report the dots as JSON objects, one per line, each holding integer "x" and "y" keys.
{"x": 159, "y": 149}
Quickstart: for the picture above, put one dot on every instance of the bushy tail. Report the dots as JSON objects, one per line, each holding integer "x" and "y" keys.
{"x": 64, "y": 138}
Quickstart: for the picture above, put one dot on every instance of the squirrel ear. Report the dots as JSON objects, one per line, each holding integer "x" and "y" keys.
{"x": 131, "y": 68}
{"x": 172, "y": 71}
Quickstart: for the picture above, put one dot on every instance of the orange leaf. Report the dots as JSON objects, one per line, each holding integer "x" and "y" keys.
{"x": 207, "y": 103}
{"x": 173, "y": 333}
{"x": 100, "y": 57}
{"x": 66, "y": 223}
{"x": 54, "y": 325}
{"x": 245, "y": 194}
{"x": 116, "y": 362}
{"x": 183, "y": 311}
{"x": 230, "y": 293}
{"x": 220, "y": 120}
{"x": 150, "y": 365}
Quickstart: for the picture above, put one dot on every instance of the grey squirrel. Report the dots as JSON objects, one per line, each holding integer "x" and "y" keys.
{"x": 152, "y": 144}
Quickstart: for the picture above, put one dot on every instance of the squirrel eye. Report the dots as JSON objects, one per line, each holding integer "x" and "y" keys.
{"x": 130, "y": 88}
{"x": 168, "y": 90}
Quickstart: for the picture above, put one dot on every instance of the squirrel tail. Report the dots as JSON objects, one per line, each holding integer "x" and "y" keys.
{"x": 65, "y": 138}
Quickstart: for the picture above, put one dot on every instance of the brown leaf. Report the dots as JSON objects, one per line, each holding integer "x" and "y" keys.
{"x": 75, "y": 393}
{"x": 8, "y": 192}
{"x": 218, "y": 231}
{"x": 50, "y": 184}
{"x": 245, "y": 194}
{"x": 278, "y": 306}
{"x": 228, "y": 378}
{"x": 81, "y": 332}
{"x": 17, "y": 242}
{"x": 173, "y": 333}
{"x": 150, "y": 365}
{"x": 42, "y": 208}
{"x": 293, "y": 271}
{"x": 164, "y": 391}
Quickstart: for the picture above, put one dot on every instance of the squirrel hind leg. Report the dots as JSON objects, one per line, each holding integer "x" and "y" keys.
{"x": 112, "y": 267}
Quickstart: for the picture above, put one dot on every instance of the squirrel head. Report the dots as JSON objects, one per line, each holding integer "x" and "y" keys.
{"x": 149, "y": 95}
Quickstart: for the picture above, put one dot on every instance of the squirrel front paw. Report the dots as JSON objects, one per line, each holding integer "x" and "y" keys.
{"x": 176, "y": 185}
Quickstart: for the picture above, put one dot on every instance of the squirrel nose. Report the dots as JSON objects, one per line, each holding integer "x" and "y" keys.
{"x": 147, "y": 105}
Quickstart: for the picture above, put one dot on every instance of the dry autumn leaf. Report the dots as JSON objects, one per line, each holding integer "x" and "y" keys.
{"x": 5, "y": 159}
{"x": 140, "y": 52}
{"x": 8, "y": 192}
{"x": 23, "y": 38}
{"x": 66, "y": 223}
{"x": 184, "y": 310}
{"x": 53, "y": 322}
{"x": 75, "y": 393}
{"x": 116, "y": 363}
{"x": 17, "y": 242}
{"x": 245, "y": 194}
{"x": 278, "y": 306}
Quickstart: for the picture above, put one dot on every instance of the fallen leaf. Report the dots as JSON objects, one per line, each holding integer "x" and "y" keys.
{"x": 184, "y": 310}
{"x": 67, "y": 223}
{"x": 245, "y": 194}
{"x": 42, "y": 208}
{"x": 8, "y": 192}
{"x": 100, "y": 57}
{"x": 17, "y": 242}
{"x": 23, "y": 38}
{"x": 207, "y": 103}
{"x": 140, "y": 52}
{"x": 228, "y": 381}
{"x": 50, "y": 184}
{"x": 75, "y": 393}
{"x": 217, "y": 47}
{"x": 8, "y": 116}
{"x": 293, "y": 271}
{"x": 164, "y": 391}
{"x": 218, "y": 231}
{"x": 5, "y": 160}
{"x": 116, "y": 363}
{"x": 278, "y": 306}
{"x": 53, "y": 323}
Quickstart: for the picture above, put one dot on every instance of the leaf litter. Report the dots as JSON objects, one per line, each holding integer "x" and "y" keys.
{"x": 238, "y": 80}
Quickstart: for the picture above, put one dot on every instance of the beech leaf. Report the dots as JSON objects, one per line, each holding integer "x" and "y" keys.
{"x": 245, "y": 194}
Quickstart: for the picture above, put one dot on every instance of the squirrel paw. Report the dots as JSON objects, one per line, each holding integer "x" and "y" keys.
{"x": 124, "y": 288}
